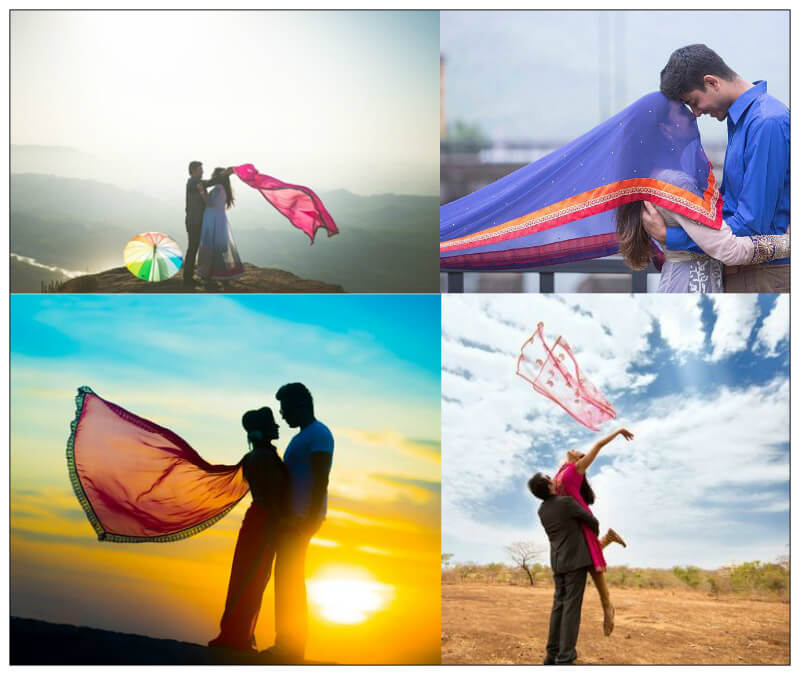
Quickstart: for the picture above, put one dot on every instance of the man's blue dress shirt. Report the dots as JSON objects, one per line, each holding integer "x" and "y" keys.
{"x": 755, "y": 181}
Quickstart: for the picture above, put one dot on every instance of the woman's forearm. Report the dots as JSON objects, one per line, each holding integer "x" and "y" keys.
{"x": 585, "y": 462}
{"x": 725, "y": 246}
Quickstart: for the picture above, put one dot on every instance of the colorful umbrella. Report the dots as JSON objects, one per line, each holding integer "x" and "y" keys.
{"x": 152, "y": 256}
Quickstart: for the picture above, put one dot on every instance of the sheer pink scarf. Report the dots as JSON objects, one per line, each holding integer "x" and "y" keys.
{"x": 299, "y": 204}
{"x": 554, "y": 372}
{"x": 138, "y": 481}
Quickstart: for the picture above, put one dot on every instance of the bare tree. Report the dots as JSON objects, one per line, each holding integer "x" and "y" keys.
{"x": 446, "y": 559}
{"x": 523, "y": 553}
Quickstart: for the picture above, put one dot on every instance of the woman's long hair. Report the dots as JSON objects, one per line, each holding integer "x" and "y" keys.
{"x": 634, "y": 242}
{"x": 586, "y": 491}
{"x": 226, "y": 183}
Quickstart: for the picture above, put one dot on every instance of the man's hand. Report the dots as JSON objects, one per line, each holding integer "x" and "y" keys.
{"x": 229, "y": 171}
{"x": 653, "y": 223}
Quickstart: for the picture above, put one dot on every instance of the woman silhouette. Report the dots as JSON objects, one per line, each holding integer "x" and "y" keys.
{"x": 255, "y": 547}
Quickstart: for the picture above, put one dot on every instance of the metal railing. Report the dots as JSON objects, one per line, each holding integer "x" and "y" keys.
{"x": 601, "y": 266}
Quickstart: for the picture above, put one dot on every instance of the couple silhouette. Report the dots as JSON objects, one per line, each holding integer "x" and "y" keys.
{"x": 289, "y": 505}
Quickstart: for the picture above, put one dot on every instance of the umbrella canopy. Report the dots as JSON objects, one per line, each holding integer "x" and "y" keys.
{"x": 152, "y": 256}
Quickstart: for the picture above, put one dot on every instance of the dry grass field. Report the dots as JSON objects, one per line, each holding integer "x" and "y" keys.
{"x": 501, "y": 624}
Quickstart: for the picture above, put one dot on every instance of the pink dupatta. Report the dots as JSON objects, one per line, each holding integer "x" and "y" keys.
{"x": 299, "y": 204}
{"x": 554, "y": 373}
{"x": 138, "y": 481}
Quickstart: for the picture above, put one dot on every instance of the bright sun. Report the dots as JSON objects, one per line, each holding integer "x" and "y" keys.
{"x": 347, "y": 595}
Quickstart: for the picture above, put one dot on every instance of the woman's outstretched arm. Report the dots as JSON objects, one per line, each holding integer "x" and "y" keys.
{"x": 585, "y": 462}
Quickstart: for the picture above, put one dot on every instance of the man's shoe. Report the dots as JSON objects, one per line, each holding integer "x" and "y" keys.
{"x": 283, "y": 655}
{"x": 549, "y": 661}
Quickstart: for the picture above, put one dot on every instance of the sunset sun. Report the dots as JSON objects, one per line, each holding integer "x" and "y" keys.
{"x": 347, "y": 595}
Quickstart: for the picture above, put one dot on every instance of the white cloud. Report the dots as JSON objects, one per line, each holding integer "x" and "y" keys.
{"x": 775, "y": 327}
{"x": 735, "y": 317}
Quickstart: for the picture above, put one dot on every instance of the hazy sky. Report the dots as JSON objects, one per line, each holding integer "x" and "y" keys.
{"x": 336, "y": 99}
{"x": 194, "y": 365}
{"x": 703, "y": 383}
{"x": 555, "y": 75}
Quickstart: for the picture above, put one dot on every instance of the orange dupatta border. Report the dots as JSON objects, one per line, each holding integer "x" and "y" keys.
{"x": 706, "y": 210}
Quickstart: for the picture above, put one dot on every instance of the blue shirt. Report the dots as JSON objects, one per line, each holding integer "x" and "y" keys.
{"x": 755, "y": 181}
{"x": 316, "y": 437}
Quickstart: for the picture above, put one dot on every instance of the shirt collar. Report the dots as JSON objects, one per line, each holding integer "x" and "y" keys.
{"x": 741, "y": 104}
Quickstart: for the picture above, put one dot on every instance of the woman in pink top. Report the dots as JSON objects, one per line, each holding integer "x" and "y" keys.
{"x": 571, "y": 481}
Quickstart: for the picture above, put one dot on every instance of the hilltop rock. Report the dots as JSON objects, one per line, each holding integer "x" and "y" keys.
{"x": 41, "y": 643}
{"x": 254, "y": 280}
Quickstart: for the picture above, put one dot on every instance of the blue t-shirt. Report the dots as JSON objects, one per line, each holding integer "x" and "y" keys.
{"x": 316, "y": 437}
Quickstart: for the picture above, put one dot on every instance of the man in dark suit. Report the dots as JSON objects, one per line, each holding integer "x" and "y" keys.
{"x": 196, "y": 200}
{"x": 570, "y": 560}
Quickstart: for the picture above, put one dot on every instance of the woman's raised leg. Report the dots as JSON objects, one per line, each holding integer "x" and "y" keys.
{"x": 610, "y": 537}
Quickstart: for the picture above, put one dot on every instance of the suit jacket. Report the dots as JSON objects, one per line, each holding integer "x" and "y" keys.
{"x": 195, "y": 205}
{"x": 561, "y": 518}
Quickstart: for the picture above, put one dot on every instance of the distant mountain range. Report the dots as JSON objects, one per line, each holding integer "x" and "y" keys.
{"x": 388, "y": 243}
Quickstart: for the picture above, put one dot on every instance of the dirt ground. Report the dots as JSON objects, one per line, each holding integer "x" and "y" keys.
{"x": 509, "y": 624}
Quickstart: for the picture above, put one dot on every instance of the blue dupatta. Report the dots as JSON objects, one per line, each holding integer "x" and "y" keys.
{"x": 561, "y": 208}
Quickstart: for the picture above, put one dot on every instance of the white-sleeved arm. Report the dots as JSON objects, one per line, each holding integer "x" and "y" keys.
{"x": 729, "y": 249}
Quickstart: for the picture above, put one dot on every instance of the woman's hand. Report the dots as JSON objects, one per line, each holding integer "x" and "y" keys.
{"x": 626, "y": 434}
{"x": 653, "y": 223}
{"x": 586, "y": 461}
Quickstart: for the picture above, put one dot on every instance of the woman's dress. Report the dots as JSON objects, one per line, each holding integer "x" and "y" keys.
{"x": 255, "y": 548}
{"x": 217, "y": 258}
{"x": 568, "y": 482}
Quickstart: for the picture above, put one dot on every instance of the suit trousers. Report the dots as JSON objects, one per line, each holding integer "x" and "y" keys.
{"x": 194, "y": 230}
{"x": 565, "y": 616}
{"x": 757, "y": 279}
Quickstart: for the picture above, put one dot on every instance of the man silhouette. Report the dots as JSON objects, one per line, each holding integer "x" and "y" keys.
{"x": 308, "y": 460}
{"x": 570, "y": 560}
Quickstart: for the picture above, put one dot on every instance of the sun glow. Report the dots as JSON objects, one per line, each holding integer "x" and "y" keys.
{"x": 347, "y": 595}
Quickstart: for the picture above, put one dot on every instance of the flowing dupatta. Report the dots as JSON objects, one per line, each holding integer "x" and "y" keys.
{"x": 554, "y": 373}
{"x": 299, "y": 204}
{"x": 561, "y": 208}
{"x": 140, "y": 482}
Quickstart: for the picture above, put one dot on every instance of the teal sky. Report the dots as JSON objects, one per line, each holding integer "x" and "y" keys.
{"x": 195, "y": 364}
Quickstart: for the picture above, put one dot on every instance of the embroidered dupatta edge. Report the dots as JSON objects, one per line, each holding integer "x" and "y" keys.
{"x": 77, "y": 486}
{"x": 705, "y": 210}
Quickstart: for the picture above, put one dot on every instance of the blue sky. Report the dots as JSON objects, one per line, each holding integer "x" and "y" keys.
{"x": 702, "y": 382}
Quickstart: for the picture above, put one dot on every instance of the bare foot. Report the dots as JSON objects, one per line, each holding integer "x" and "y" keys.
{"x": 612, "y": 535}
{"x": 608, "y": 620}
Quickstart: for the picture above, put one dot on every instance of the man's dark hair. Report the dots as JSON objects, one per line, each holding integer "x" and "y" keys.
{"x": 193, "y": 166}
{"x": 297, "y": 395}
{"x": 539, "y": 485}
{"x": 688, "y": 66}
